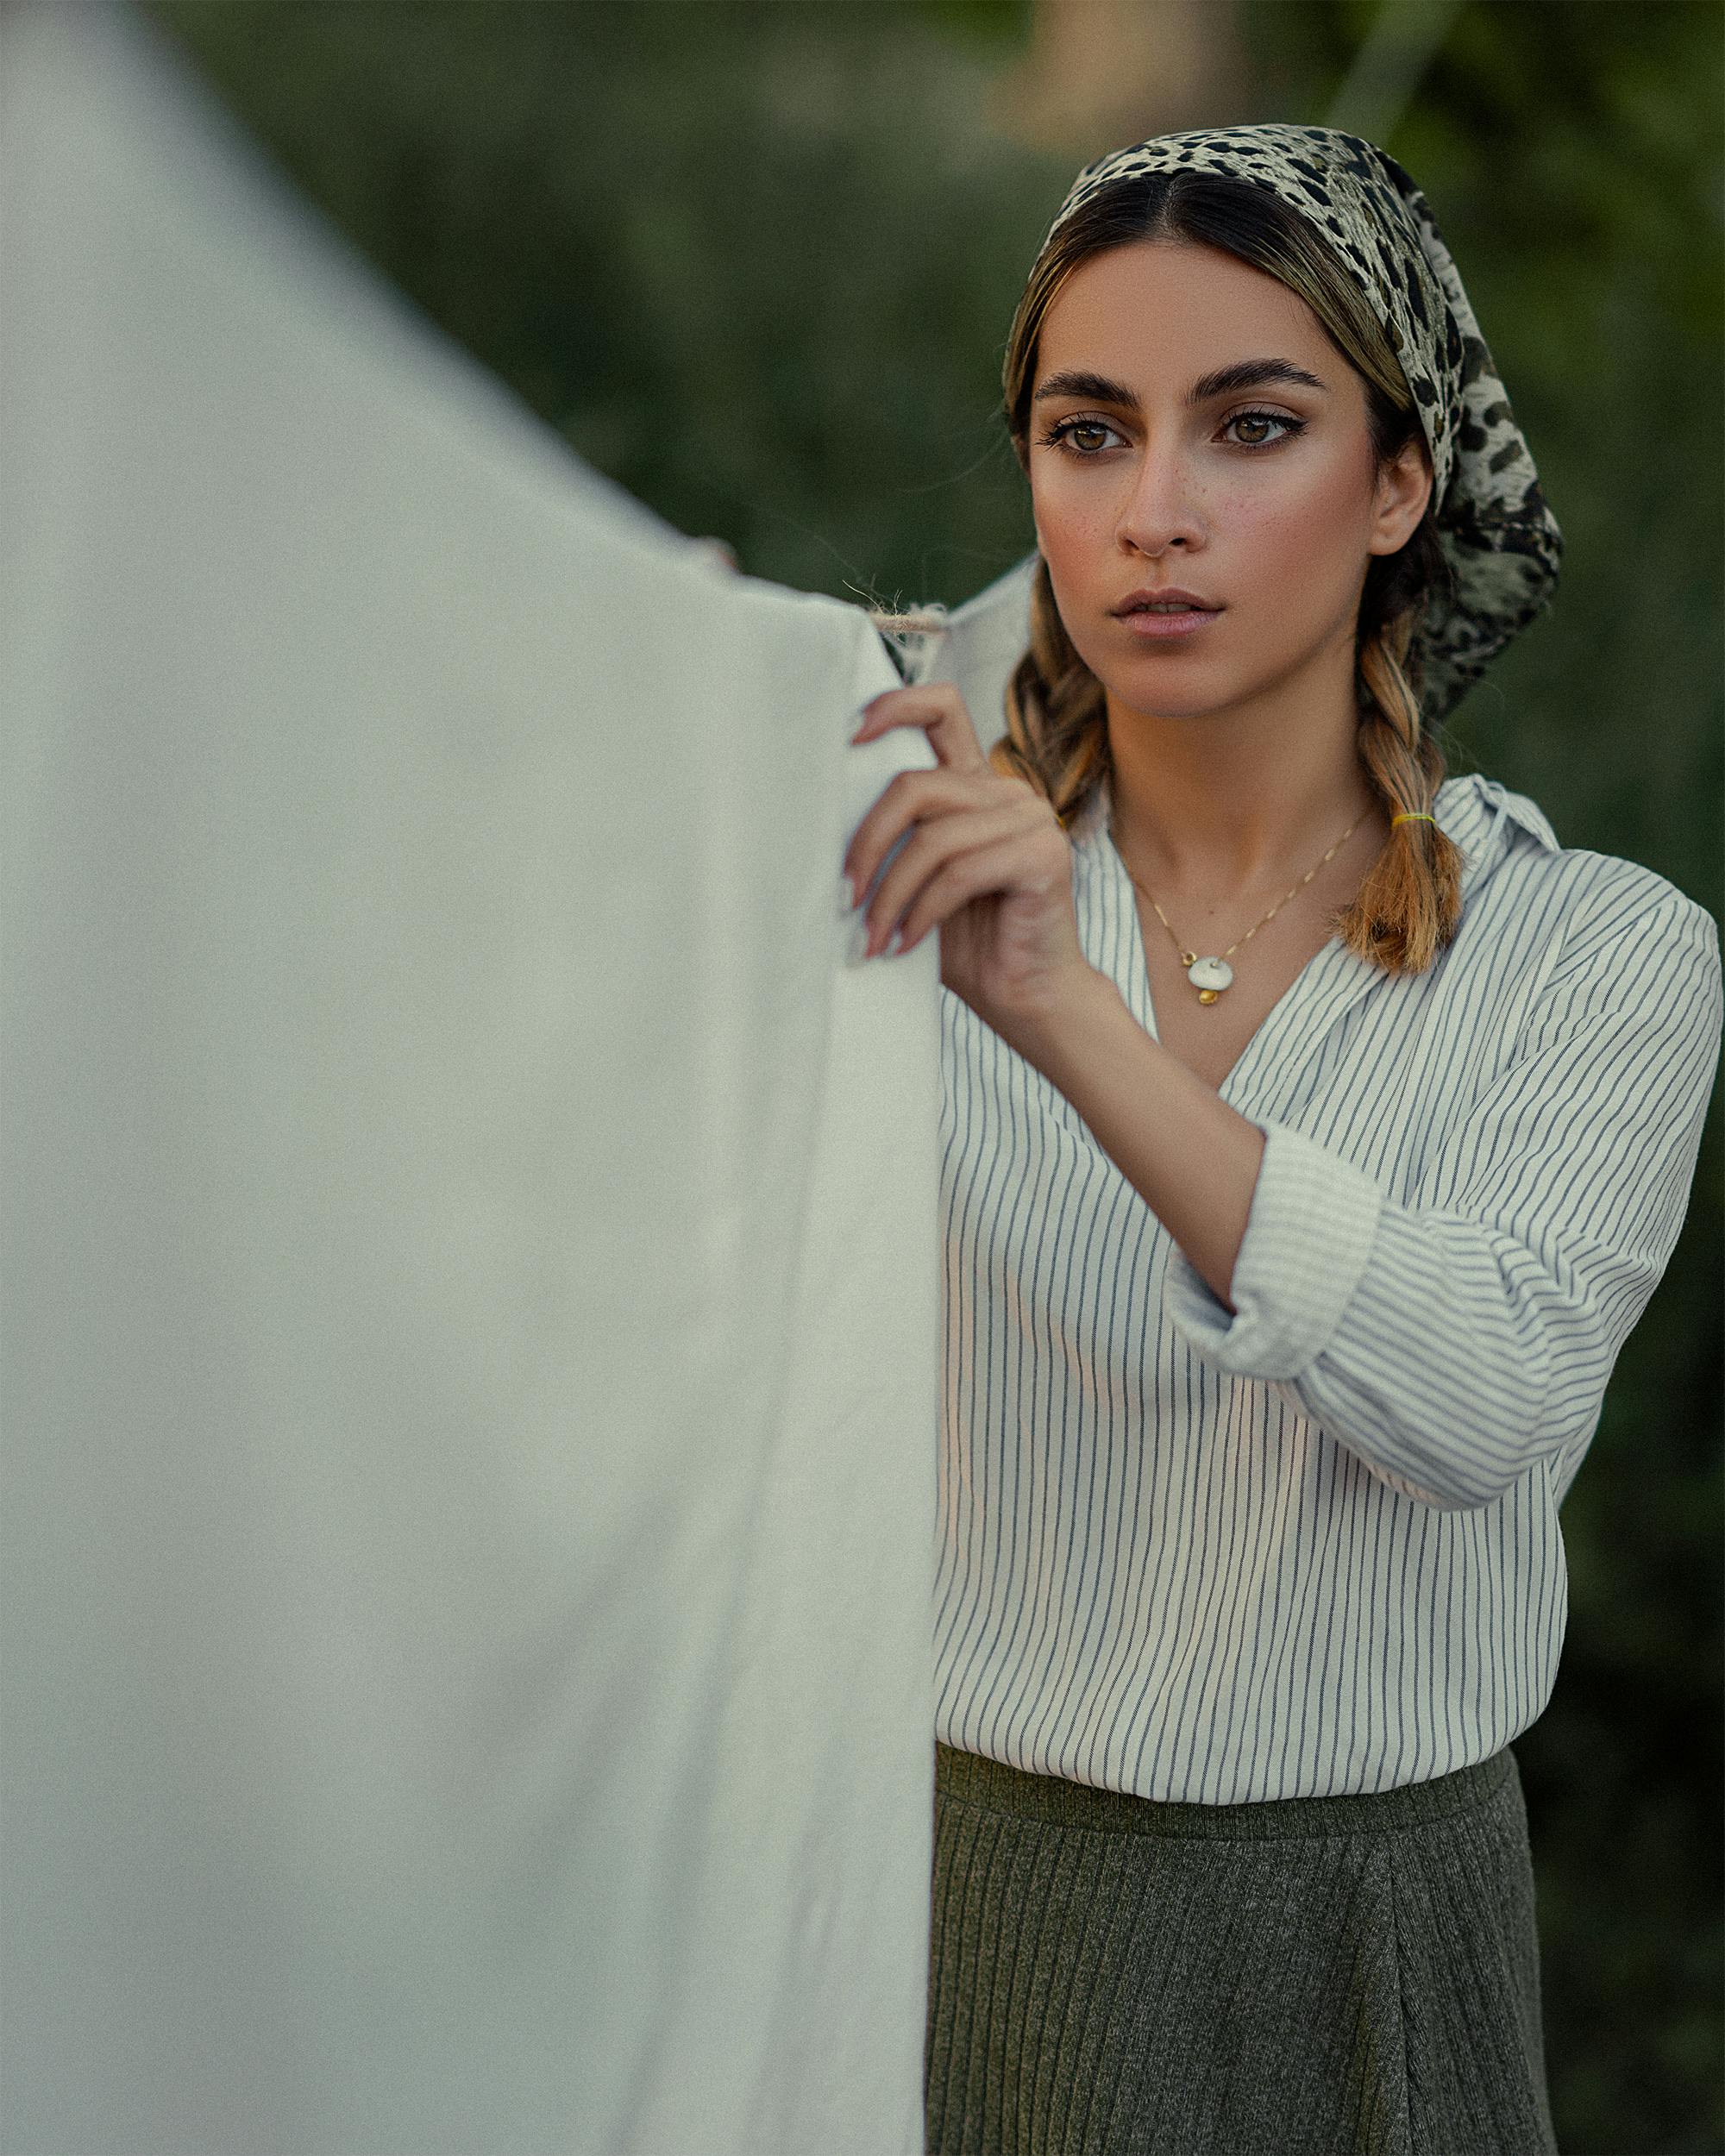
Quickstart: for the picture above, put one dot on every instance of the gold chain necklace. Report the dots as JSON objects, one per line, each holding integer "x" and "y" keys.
{"x": 1209, "y": 976}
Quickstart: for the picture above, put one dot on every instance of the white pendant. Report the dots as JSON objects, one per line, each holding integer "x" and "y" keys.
{"x": 1209, "y": 973}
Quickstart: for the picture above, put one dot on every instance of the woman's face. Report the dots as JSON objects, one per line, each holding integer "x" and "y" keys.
{"x": 1256, "y": 493}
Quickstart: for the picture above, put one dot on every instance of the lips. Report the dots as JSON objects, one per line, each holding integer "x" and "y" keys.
{"x": 1170, "y": 616}
{"x": 1171, "y": 596}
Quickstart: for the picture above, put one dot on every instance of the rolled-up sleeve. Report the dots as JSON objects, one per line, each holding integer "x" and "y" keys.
{"x": 1457, "y": 1339}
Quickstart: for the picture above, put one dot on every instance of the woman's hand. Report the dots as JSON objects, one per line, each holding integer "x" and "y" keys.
{"x": 986, "y": 862}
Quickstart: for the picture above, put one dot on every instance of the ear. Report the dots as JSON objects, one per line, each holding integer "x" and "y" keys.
{"x": 1404, "y": 487}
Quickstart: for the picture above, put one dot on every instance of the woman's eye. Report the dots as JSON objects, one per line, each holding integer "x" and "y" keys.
{"x": 1079, "y": 434}
{"x": 1261, "y": 419}
{"x": 1086, "y": 438}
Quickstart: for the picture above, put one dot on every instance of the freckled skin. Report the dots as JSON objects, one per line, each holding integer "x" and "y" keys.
{"x": 1280, "y": 534}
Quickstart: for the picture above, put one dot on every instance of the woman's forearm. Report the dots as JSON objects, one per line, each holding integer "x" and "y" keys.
{"x": 1192, "y": 1158}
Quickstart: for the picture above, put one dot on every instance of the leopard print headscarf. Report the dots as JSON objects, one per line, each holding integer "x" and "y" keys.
{"x": 1500, "y": 540}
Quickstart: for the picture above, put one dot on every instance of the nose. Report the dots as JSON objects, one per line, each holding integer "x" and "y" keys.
{"x": 1159, "y": 512}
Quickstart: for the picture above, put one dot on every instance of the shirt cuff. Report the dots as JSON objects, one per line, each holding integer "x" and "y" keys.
{"x": 1309, "y": 1240}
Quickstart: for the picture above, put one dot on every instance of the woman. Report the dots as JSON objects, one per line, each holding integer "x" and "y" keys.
{"x": 1317, "y": 1128}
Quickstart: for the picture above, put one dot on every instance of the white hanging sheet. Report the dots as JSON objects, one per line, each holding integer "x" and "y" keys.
{"x": 470, "y": 1294}
{"x": 978, "y": 647}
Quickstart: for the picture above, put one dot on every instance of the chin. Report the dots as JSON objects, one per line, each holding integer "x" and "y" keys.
{"x": 1169, "y": 692}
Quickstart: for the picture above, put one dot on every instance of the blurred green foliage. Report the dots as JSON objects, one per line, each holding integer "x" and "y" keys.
{"x": 757, "y": 262}
{"x": 737, "y": 255}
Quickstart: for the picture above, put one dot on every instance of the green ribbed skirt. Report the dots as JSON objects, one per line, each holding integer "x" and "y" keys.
{"x": 1306, "y": 1977}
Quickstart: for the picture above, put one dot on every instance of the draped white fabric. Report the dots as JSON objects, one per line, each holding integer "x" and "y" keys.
{"x": 471, "y": 1281}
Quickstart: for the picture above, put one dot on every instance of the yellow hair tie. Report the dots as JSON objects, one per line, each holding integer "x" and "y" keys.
{"x": 1412, "y": 816}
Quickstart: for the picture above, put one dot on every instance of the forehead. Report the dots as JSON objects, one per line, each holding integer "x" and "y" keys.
{"x": 1156, "y": 308}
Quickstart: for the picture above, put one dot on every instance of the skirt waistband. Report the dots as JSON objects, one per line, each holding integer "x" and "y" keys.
{"x": 968, "y": 1778}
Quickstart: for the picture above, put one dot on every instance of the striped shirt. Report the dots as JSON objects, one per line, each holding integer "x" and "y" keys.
{"x": 1312, "y": 1548}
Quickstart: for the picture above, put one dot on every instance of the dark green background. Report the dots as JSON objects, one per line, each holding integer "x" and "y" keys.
{"x": 757, "y": 262}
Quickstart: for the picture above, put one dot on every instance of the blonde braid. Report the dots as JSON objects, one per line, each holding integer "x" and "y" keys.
{"x": 1056, "y": 734}
{"x": 1409, "y": 908}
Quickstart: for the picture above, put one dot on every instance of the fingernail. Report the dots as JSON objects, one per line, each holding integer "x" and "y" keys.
{"x": 896, "y": 945}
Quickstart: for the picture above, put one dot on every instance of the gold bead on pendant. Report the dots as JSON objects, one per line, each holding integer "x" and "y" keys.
{"x": 1207, "y": 995}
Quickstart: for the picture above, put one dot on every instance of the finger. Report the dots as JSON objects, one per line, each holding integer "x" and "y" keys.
{"x": 939, "y": 709}
{"x": 972, "y": 874}
{"x": 903, "y": 800}
{"x": 925, "y": 855}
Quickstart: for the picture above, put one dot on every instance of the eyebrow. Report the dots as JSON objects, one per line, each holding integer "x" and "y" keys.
{"x": 1225, "y": 381}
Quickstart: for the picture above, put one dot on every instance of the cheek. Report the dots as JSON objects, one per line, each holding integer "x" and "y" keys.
{"x": 1077, "y": 518}
{"x": 1311, "y": 534}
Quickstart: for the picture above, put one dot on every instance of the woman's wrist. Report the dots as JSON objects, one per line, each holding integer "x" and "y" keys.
{"x": 1055, "y": 1033}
